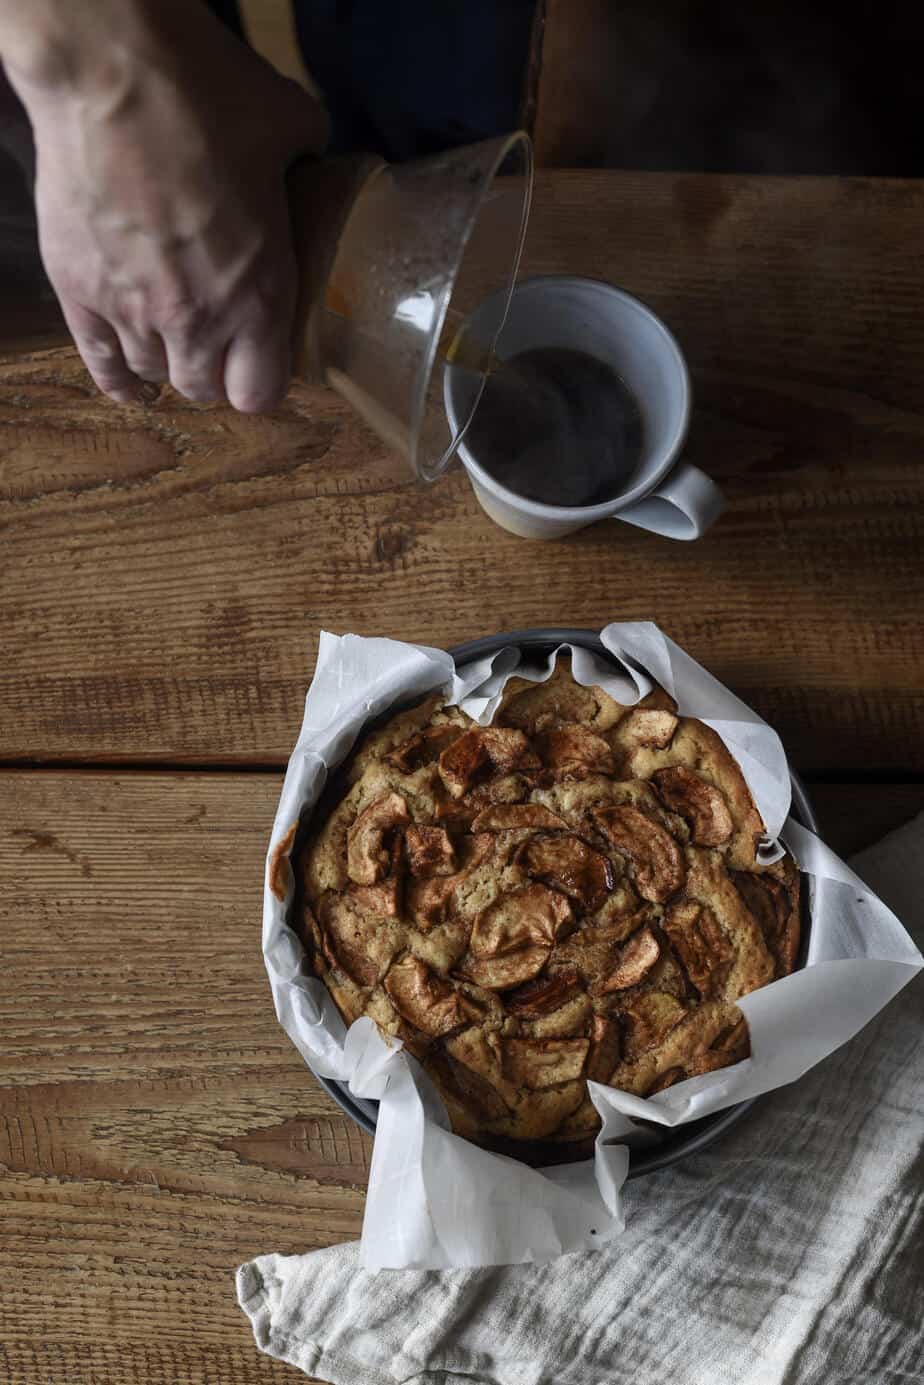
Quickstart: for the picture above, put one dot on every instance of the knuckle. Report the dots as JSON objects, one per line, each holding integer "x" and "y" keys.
{"x": 275, "y": 307}
{"x": 266, "y": 299}
{"x": 184, "y": 318}
{"x": 102, "y": 351}
{"x": 263, "y": 312}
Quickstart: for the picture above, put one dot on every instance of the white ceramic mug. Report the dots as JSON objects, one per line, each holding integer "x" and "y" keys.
{"x": 663, "y": 494}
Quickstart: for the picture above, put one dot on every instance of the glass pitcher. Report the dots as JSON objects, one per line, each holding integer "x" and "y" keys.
{"x": 393, "y": 259}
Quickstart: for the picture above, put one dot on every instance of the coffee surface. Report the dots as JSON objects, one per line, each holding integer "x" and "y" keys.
{"x": 557, "y": 426}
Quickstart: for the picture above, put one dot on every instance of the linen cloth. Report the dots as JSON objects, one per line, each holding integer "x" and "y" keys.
{"x": 789, "y": 1253}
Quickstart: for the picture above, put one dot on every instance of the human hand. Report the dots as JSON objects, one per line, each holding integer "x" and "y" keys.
{"x": 161, "y": 200}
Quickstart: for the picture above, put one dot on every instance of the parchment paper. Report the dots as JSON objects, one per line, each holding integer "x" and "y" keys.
{"x": 437, "y": 1201}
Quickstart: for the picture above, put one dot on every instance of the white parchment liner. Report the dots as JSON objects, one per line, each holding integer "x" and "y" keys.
{"x": 434, "y": 1199}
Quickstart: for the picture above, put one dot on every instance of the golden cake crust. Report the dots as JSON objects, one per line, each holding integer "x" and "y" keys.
{"x": 570, "y": 893}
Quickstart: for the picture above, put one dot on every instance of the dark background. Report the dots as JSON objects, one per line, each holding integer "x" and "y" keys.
{"x": 766, "y": 86}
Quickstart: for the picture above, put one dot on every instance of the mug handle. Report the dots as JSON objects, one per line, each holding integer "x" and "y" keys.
{"x": 683, "y": 506}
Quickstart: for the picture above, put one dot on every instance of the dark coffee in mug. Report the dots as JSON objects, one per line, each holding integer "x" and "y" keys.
{"x": 557, "y": 426}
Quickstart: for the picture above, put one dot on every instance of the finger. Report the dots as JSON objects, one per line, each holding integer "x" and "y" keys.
{"x": 145, "y": 354}
{"x": 196, "y": 371}
{"x": 257, "y": 369}
{"x": 102, "y": 354}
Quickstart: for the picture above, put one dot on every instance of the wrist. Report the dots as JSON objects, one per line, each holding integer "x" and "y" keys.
{"x": 55, "y": 48}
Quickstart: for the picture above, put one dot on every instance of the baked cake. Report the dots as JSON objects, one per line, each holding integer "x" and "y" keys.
{"x": 572, "y": 892}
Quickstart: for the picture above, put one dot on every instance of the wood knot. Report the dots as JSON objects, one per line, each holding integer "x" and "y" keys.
{"x": 392, "y": 541}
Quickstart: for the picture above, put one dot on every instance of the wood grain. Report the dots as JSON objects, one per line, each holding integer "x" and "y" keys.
{"x": 157, "y": 1128}
{"x": 164, "y": 572}
{"x": 156, "y": 1125}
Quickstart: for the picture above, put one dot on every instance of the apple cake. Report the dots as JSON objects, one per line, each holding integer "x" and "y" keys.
{"x": 572, "y": 892}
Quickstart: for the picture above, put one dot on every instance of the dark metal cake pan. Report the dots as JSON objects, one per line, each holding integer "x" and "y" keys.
{"x": 683, "y": 1140}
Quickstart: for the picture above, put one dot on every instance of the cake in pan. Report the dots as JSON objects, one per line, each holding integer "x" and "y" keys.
{"x": 570, "y": 893}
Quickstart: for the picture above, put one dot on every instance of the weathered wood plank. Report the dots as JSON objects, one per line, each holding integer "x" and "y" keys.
{"x": 164, "y": 572}
{"x": 156, "y": 1126}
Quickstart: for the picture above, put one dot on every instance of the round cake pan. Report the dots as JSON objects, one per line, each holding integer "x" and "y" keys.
{"x": 685, "y": 1139}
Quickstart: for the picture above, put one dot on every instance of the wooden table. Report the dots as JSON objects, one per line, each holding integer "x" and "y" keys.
{"x": 164, "y": 574}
